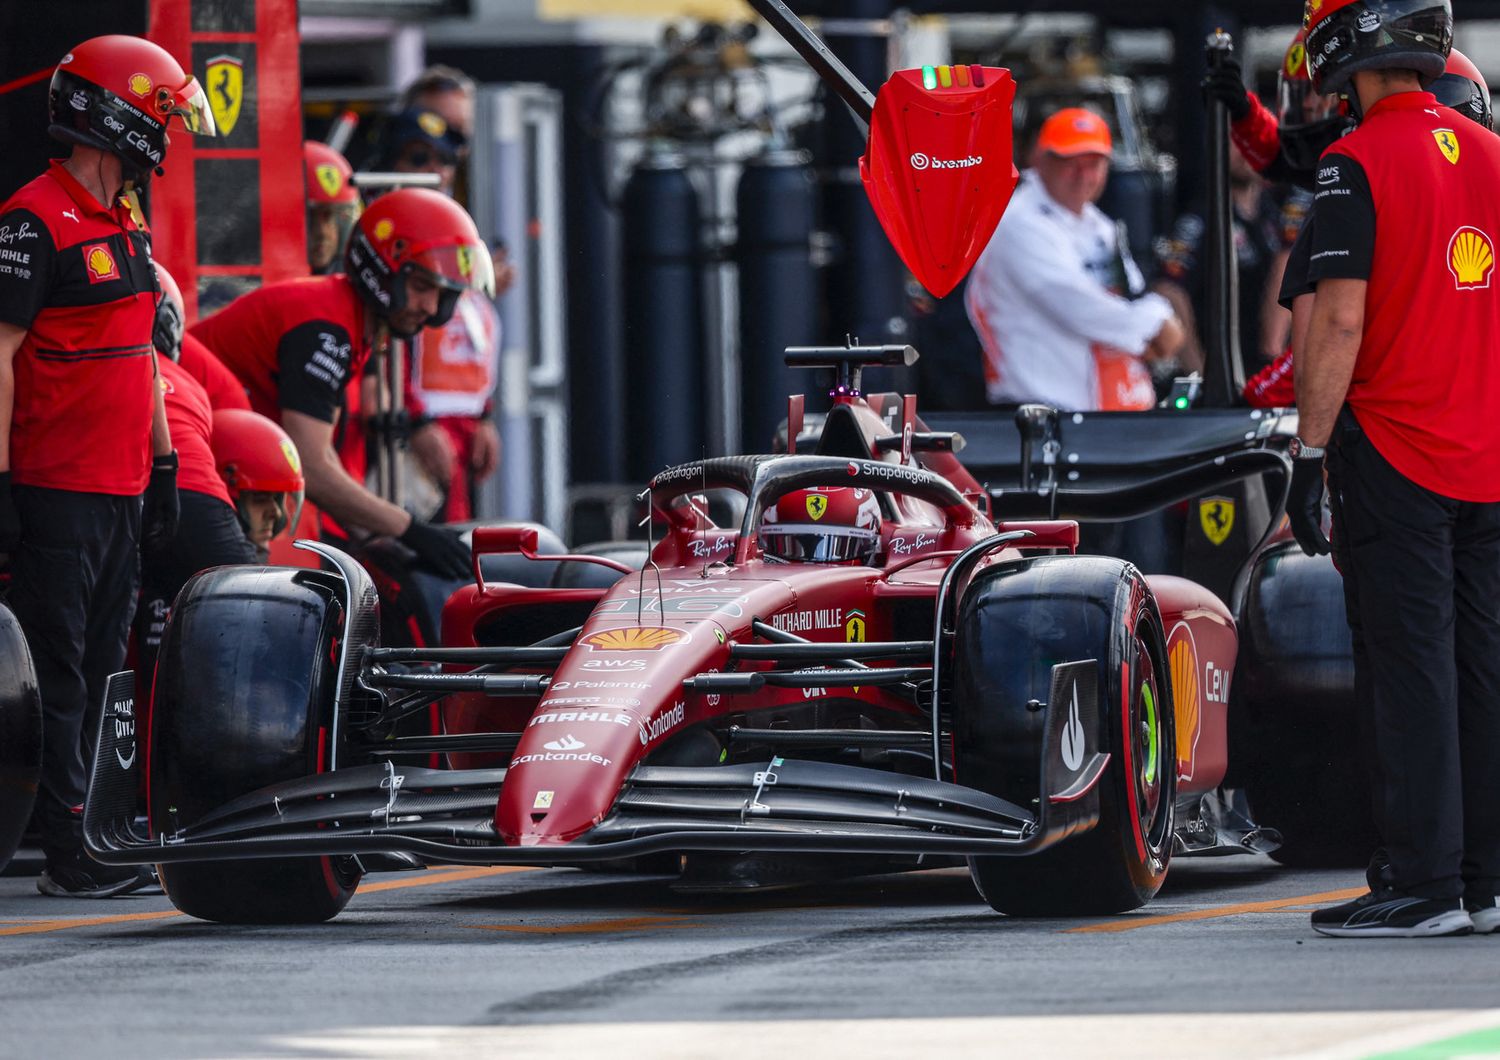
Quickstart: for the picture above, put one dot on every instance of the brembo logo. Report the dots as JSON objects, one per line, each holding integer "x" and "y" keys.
{"x": 921, "y": 160}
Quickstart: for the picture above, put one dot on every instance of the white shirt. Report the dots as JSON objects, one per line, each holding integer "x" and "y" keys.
{"x": 1039, "y": 300}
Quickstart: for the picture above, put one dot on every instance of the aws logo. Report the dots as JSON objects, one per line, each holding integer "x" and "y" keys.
{"x": 1471, "y": 259}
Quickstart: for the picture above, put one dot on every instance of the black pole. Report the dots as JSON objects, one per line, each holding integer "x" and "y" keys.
{"x": 1224, "y": 370}
{"x": 815, "y": 53}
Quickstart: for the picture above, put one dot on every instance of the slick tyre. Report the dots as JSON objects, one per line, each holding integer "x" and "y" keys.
{"x": 1015, "y": 623}
{"x": 244, "y": 693}
{"x": 20, "y": 735}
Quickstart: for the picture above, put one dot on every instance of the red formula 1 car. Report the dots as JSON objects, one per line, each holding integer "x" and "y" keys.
{"x": 912, "y": 682}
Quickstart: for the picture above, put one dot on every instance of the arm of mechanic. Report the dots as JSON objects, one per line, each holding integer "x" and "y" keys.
{"x": 1326, "y": 364}
{"x": 330, "y": 487}
{"x": 161, "y": 434}
{"x": 11, "y": 338}
{"x": 1055, "y": 281}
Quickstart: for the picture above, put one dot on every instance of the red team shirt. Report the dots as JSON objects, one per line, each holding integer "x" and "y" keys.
{"x": 190, "y": 417}
{"x": 223, "y": 389}
{"x": 77, "y": 275}
{"x": 1426, "y": 385}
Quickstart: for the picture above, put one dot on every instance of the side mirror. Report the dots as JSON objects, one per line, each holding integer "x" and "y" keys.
{"x": 939, "y": 168}
{"x": 489, "y": 540}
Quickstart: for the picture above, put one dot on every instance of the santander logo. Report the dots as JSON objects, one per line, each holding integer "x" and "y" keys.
{"x": 920, "y": 160}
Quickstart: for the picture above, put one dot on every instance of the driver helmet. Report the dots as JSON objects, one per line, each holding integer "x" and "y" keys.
{"x": 1462, "y": 88}
{"x": 171, "y": 318}
{"x": 1310, "y": 121}
{"x": 1345, "y": 37}
{"x": 332, "y": 204}
{"x": 825, "y": 524}
{"x": 255, "y": 456}
{"x": 414, "y": 229}
{"x": 118, "y": 93}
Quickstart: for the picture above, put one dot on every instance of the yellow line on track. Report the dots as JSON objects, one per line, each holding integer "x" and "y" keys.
{"x": 595, "y": 927}
{"x": 1215, "y": 912}
{"x": 431, "y": 877}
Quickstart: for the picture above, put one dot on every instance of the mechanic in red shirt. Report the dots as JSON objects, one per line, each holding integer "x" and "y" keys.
{"x": 1400, "y": 379}
{"x": 332, "y": 205}
{"x": 209, "y": 532}
{"x": 1461, "y": 88}
{"x": 83, "y": 432}
{"x": 297, "y": 344}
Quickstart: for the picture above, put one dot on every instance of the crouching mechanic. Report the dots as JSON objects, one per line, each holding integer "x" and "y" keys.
{"x": 833, "y": 524}
{"x": 263, "y": 473}
{"x": 296, "y": 345}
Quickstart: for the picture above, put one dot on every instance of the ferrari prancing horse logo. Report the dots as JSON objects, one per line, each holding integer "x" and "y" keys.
{"x": 329, "y": 179}
{"x": 1447, "y": 142}
{"x": 226, "y": 90}
{"x": 817, "y": 504}
{"x": 1216, "y": 516}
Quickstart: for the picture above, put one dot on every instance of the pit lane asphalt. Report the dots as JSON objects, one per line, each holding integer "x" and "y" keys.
{"x": 462, "y": 961}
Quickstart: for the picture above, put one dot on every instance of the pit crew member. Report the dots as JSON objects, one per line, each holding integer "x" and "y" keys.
{"x": 1046, "y": 295}
{"x": 1399, "y": 379}
{"x": 332, "y": 205}
{"x": 262, "y": 471}
{"x": 826, "y": 524}
{"x": 297, "y": 344}
{"x": 83, "y": 432}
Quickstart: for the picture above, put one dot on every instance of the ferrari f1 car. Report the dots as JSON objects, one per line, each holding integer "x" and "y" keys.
{"x": 956, "y": 688}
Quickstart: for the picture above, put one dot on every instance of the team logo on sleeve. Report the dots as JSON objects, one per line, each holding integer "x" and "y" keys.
{"x": 226, "y": 90}
{"x": 100, "y": 263}
{"x": 1471, "y": 258}
{"x": 1447, "y": 141}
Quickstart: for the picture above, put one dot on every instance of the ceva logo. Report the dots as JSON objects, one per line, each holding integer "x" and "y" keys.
{"x": 921, "y": 160}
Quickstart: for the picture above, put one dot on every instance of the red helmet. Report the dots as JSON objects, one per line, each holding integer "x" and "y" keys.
{"x": 417, "y": 230}
{"x": 1310, "y": 121}
{"x": 1462, "y": 88}
{"x": 254, "y": 455}
{"x": 171, "y": 318}
{"x": 117, "y": 93}
{"x": 330, "y": 178}
{"x": 1345, "y": 37}
{"x": 825, "y": 524}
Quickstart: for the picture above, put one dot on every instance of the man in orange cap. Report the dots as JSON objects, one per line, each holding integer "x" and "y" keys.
{"x": 1051, "y": 296}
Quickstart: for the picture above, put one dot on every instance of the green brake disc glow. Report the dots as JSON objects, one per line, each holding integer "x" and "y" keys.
{"x": 1149, "y": 699}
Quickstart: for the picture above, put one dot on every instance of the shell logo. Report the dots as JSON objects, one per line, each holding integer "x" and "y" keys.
{"x": 100, "y": 263}
{"x": 1182, "y": 656}
{"x": 1471, "y": 259}
{"x": 635, "y": 638}
{"x": 383, "y": 229}
{"x": 139, "y": 84}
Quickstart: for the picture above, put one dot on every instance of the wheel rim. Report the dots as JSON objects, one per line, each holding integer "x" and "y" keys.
{"x": 1150, "y": 771}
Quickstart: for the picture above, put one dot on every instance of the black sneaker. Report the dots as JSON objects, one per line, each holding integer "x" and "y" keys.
{"x": 81, "y": 877}
{"x": 1390, "y": 914}
{"x": 1485, "y": 913}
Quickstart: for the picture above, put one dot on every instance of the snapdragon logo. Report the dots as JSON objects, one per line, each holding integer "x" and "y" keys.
{"x": 921, "y": 161}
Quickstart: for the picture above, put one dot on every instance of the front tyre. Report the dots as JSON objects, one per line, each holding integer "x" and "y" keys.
{"x": 244, "y": 693}
{"x": 1015, "y": 623}
{"x": 20, "y": 734}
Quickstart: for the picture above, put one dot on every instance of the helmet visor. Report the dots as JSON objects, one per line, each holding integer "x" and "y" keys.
{"x": 190, "y": 104}
{"x": 1299, "y": 105}
{"x": 804, "y": 544}
{"x": 461, "y": 267}
{"x": 1465, "y": 96}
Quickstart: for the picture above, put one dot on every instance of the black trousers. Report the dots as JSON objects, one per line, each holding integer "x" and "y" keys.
{"x": 74, "y": 581}
{"x": 208, "y": 535}
{"x": 1422, "y": 591}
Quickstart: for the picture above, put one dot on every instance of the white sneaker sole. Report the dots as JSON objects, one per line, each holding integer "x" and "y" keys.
{"x": 1486, "y": 921}
{"x": 1453, "y": 922}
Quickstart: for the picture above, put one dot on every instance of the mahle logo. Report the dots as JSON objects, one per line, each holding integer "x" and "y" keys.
{"x": 921, "y": 160}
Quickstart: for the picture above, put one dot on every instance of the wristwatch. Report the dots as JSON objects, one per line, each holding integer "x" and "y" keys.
{"x": 1300, "y": 450}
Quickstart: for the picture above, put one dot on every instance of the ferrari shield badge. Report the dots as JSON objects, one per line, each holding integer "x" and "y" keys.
{"x": 329, "y": 179}
{"x": 1216, "y": 516}
{"x": 1447, "y": 141}
{"x": 226, "y": 90}
{"x": 817, "y": 504}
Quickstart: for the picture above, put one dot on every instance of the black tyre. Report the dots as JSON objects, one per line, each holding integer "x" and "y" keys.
{"x": 1294, "y": 716}
{"x": 20, "y": 735}
{"x": 1014, "y": 625}
{"x": 244, "y": 692}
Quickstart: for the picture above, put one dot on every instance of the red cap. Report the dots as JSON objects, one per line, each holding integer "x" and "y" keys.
{"x": 1076, "y": 131}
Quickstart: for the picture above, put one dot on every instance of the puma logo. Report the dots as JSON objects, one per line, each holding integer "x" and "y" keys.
{"x": 71, "y": 215}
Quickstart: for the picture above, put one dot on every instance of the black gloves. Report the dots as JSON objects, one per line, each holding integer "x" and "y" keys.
{"x": 160, "y": 513}
{"x": 10, "y": 519}
{"x": 1226, "y": 83}
{"x": 1304, "y": 505}
{"x": 439, "y": 548}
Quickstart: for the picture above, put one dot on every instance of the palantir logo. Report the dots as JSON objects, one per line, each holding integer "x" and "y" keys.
{"x": 920, "y": 160}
